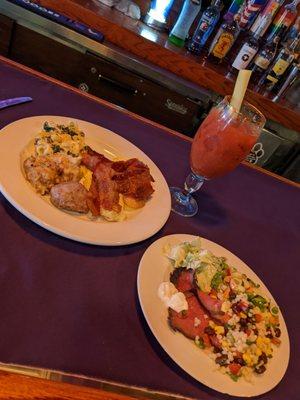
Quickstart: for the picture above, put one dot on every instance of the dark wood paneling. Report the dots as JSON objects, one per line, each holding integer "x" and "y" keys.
{"x": 6, "y": 28}
{"x": 138, "y": 94}
{"x": 108, "y": 81}
{"x": 44, "y": 54}
{"x": 126, "y": 33}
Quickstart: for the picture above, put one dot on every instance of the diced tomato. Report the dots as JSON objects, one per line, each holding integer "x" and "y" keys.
{"x": 234, "y": 368}
{"x": 226, "y": 293}
{"x": 213, "y": 293}
{"x": 258, "y": 317}
{"x": 243, "y": 306}
{"x": 276, "y": 341}
{"x": 228, "y": 272}
{"x": 206, "y": 340}
{"x": 274, "y": 320}
{"x": 238, "y": 354}
{"x": 248, "y": 332}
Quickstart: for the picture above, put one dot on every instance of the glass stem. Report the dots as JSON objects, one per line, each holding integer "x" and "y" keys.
{"x": 192, "y": 183}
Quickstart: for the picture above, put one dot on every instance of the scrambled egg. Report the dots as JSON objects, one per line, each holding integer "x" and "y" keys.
{"x": 110, "y": 215}
{"x": 87, "y": 176}
{"x": 59, "y": 139}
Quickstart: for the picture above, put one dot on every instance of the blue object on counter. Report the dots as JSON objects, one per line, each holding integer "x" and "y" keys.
{"x": 60, "y": 19}
{"x": 187, "y": 16}
{"x": 159, "y": 9}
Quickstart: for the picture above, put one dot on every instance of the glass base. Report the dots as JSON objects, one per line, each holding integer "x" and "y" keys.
{"x": 182, "y": 204}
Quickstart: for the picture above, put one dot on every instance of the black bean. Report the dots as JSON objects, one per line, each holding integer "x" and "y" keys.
{"x": 263, "y": 358}
{"x": 277, "y": 332}
{"x": 222, "y": 360}
{"x": 243, "y": 322}
{"x": 209, "y": 330}
{"x": 232, "y": 295}
{"x": 216, "y": 349}
{"x": 269, "y": 335}
{"x": 260, "y": 370}
{"x": 239, "y": 360}
{"x": 235, "y": 308}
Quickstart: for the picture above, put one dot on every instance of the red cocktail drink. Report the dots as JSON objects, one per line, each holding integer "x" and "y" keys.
{"x": 221, "y": 143}
{"x": 223, "y": 140}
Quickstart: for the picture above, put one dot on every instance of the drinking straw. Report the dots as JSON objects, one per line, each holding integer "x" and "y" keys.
{"x": 240, "y": 89}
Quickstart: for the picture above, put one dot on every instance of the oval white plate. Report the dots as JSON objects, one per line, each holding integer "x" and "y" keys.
{"x": 154, "y": 268}
{"x": 140, "y": 225}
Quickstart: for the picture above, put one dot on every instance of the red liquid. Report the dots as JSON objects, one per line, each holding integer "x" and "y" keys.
{"x": 221, "y": 144}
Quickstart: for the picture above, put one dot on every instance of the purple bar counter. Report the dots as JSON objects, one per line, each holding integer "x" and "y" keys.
{"x": 73, "y": 307}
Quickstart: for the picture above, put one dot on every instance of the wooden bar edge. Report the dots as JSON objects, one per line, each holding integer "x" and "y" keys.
{"x": 17, "y": 386}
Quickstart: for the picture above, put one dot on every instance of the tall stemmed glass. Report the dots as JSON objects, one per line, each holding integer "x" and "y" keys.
{"x": 223, "y": 140}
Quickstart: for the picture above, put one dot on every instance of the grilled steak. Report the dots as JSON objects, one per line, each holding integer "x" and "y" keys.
{"x": 213, "y": 305}
{"x": 183, "y": 279}
{"x": 191, "y": 322}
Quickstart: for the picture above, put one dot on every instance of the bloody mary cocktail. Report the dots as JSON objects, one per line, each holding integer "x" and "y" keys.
{"x": 223, "y": 140}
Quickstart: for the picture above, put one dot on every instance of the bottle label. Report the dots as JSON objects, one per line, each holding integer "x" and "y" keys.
{"x": 272, "y": 79}
{"x": 206, "y": 23}
{"x": 223, "y": 45}
{"x": 280, "y": 66}
{"x": 244, "y": 57}
{"x": 262, "y": 62}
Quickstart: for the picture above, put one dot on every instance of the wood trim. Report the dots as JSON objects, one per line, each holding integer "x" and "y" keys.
{"x": 126, "y": 33}
{"x": 126, "y": 112}
{"x": 16, "y": 386}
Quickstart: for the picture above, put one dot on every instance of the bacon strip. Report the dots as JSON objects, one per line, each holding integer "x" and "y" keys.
{"x": 131, "y": 178}
{"x": 107, "y": 189}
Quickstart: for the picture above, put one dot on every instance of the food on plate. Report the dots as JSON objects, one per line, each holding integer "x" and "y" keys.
{"x": 131, "y": 179}
{"x": 43, "y": 172}
{"x": 71, "y": 196}
{"x": 59, "y": 139}
{"x": 224, "y": 312}
{"x": 79, "y": 179}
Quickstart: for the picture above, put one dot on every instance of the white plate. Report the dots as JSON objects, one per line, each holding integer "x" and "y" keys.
{"x": 154, "y": 268}
{"x": 140, "y": 225}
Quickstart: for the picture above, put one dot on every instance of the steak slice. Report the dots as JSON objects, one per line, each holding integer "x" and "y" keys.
{"x": 192, "y": 322}
{"x": 214, "y": 306}
{"x": 183, "y": 279}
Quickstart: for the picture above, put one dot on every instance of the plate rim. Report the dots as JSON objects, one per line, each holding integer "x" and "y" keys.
{"x": 76, "y": 236}
{"x": 188, "y": 236}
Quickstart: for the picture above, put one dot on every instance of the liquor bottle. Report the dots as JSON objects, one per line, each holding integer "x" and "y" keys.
{"x": 234, "y": 9}
{"x": 264, "y": 58}
{"x": 224, "y": 39}
{"x": 284, "y": 59}
{"x": 291, "y": 76}
{"x": 247, "y": 51}
{"x": 187, "y": 16}
{"x": 265, "y": 18}
{"x": 291, "y": 33}
{"x": 205, "y": 27}
{"x": 284, "y": 19}
{"x": 249, "y": 11}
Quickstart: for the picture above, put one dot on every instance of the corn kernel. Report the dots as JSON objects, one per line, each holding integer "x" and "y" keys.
{"x": 219, "y": 329}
